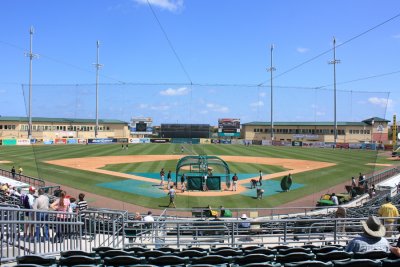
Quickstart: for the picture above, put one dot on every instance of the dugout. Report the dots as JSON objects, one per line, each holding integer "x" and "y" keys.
{"x": 196, "y": 167}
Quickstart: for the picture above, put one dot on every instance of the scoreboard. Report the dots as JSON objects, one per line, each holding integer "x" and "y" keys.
{"x": 141, "y": 125}
{"x": 229, "y": 127}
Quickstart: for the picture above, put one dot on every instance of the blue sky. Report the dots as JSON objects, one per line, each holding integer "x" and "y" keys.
{"x": 205, "y": 60}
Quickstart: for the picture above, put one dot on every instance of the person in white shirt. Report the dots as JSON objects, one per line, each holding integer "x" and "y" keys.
{"x": 335, "y": 199}
{"x": 149, "y": 217}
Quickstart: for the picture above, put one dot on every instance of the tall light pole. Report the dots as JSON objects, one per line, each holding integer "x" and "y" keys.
{"x": 97, "y": 66}
{"x": 334, "y": 62}
{"x": 271, "y": 69}
{"x": 31, "y": 57}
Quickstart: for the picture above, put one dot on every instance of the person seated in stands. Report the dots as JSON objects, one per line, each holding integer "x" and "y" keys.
{"x": 372, "y": 191}
{"x": 137, "y": 217}
{"x": 222, "y": 209}
{"x": 245, "y": 223}
{"x": 335, "y": 199}
{"x": 372, "y": 238}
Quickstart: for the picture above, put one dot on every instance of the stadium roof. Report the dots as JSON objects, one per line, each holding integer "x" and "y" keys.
{"x": 59, "y": 120}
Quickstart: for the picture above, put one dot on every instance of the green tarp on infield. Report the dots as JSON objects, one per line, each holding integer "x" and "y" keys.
{"x": 196, "y": 183}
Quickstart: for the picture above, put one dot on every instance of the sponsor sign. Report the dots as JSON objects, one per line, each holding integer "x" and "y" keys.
{"x": 72, "y": 141}
{"x": 225, "y": 141}
{"x": 159, "y": 140}
{"x": 134, "y": 140}
{"x": 144, "y": 140}
{"x": 48, "y": 141}
{"x": 9, "y": 142}
{"x": 23, "y": 142}
{"x": 34, "y": 141}
{"x": 306, "y": 136}
{"x": 122, "y": 140}
{"x": 266, "y": 142}
{"x": 297, "y": 143}
{"x": 102, "y": 141}
{"x": 81, "y": 141}
{"x": 215, "y": 141}
{"x": 60, "y": 141}
{"x": 205, "y": 141}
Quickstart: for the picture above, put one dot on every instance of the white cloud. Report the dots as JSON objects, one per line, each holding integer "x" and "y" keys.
{"x": 257, "y": 104}
{"x": 170, "y": 5}
{"x": 174, "y": 92}
{"x": 263, "y": 94}
{"x": 302, "y": 50}
{"x": 217, "y": 108}
{"x": 381, "y": 102}
{"x": 396, "y": 36}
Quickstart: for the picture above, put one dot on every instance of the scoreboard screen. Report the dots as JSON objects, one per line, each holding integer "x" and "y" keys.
{"x": 229, "y": 127}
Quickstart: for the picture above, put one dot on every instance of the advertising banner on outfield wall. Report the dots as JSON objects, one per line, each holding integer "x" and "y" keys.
{"x": 238, "y": 142}
{"x": 122, "y": 140}
{"x": 144, "y": 140}
{"x": 355, "y": 146}
{"x": 102, "y": 141}
{"x": 205, "y": 141}
{"x": 81, "y": 141}
{"x": 225, "y": 141}
{"x": 134, "y": 140}
{"x": 313, "y": 144}
{"x": 266, "y": 142}
{"x": 60, "y": 141}
{"x": 23, "y": 142}
{"x": 297, "y": 143}
{"x": 48, "y": 141}
{"x": 72, "y": 141}
{"x": 159, "y": 140}
{"x": 9, "y": 142}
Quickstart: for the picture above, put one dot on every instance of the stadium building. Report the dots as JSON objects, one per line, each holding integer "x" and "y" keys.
{"x": 48, "y": 128}
{"x": 372, "y": 130}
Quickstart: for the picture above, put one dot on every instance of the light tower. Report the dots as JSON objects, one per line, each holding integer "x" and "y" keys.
{"x": 334, "y": 62}
{"x": 271, "y": 69}
{"x": 97, "y": 66}
{"x": 31, "y": 57}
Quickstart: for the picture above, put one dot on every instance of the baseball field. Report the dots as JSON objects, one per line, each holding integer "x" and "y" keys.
{"x": 132, "y": 175}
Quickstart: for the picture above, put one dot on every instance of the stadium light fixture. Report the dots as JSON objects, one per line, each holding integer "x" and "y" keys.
{"x": 271, "y": 69}
{"x": 31, "y": 57}
{"x": 334, "y": 62}
{"x": 97, "y": 66}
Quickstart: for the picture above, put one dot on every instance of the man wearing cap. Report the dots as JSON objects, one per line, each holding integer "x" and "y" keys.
{"x": 245, "y": 223}
{"x": 372, "y": 238}
{"x": 388, "y": 210}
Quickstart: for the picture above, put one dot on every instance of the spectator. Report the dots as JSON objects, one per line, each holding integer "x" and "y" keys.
{"x": 388, "y": 210}
{"x": 73, "y": 205}
{"x": 360, "y": 179}
{"x": 42, "y": 204}
{"x": 20, "y": 171}
{"x": 149, "y": 218}
{"x": 137, "y": 217}
{"x": 81, "y": 205}
{"x": 371, "y": 239}
{"x": 245, "y": 223}
{"x": 260, "y": 178}
{"x": 341, "y": 212}
{"x": 13, "y": 172}
{"x": 61, "y": 204}
{"x": 335, "y": 199}
{"x": 27, "y": 201}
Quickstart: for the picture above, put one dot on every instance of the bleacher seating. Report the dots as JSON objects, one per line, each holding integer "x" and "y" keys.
{"x": 297, "y": 257}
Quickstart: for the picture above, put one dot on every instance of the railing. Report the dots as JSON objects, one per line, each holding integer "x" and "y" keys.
{"x": 379, "y": 177}
{"x": 27, "y": 231}
{"x": 37, "y": 182}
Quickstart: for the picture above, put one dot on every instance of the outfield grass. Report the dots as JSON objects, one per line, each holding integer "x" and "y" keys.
{"x": 348, "y": 163}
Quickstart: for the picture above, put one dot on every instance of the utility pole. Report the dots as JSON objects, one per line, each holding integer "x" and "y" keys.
{"x": 31, "y": 57}
{"x": 271, "y": 69}
{"x": 334, "y": 62}
{"x": 97, "y": 66}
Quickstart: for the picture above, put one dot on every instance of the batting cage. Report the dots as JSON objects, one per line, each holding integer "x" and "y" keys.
{"x": 203, "y": 172}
